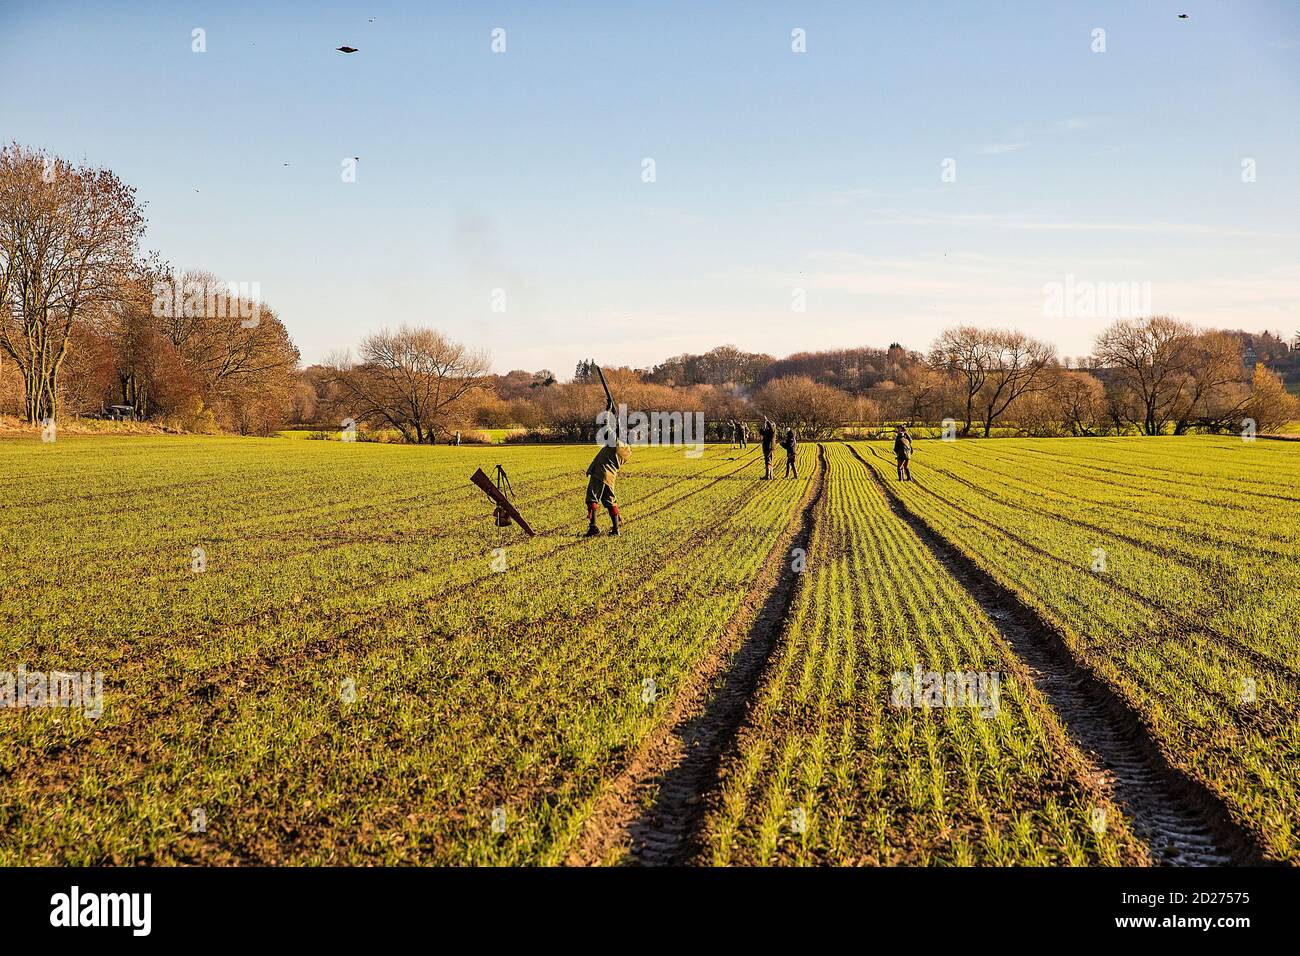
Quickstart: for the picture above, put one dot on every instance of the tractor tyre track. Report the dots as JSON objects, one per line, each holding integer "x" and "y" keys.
{"x": 1181, "y": 821}
{"x": 649, "y": 815}
{"x": 1258, "y": 658}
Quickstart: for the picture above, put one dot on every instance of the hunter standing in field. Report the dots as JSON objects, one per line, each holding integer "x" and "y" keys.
{"x": 767, "y": 435}
{"x": 790, "y": 444}
{"x": 602, "y": 475}
{"x": 903, "y": 452}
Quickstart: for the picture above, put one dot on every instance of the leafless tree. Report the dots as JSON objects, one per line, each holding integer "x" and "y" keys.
{"x": 1147, "y": 360}
{"x": 812, "y": 409}
{"x": 1082, "y": 402}
{"x": 410, "y": 379}
{"x": 962, "y": 354}
{"x": 1015, "y": 365}
{"x": 1215, "y": 386}
{"x": 1270, "y": 405}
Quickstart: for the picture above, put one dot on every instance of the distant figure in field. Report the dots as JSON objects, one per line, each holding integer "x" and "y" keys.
{"x": 767, "y": 435}
{"x": 735, "y": 432}
{"x": 602, "y": 475}
{"x": 790, "y": 444}
{"x": 458, "y": 438}
{"x": 903, "y": 452}
{"x": 744, "y": 435}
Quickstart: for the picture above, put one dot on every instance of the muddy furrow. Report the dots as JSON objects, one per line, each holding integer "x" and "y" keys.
{"x": 1181, "y": 821}
{"x": 649, "y": 815}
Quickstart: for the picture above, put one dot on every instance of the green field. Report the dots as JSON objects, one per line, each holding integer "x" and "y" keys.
{"x": 366, "y": 670}
{"x": 1197, "y": 601}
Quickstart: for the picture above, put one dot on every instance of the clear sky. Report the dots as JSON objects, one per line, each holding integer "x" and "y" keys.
{"x": 774, "y": 170}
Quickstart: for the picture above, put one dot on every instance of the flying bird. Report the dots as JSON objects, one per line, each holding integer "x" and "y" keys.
{"x": 346, "y": 49}
{"x": 1183, "y": 16}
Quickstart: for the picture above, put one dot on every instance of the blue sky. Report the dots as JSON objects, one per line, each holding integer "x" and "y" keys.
{"x": 774, "y": 170}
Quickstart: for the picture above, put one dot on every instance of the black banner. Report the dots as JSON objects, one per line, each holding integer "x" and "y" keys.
{"x": 337, "y": 906}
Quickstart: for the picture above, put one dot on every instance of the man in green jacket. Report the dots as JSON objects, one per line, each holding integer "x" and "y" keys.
{"x": 602, "y": 475}
{"x": 903, "y": 452}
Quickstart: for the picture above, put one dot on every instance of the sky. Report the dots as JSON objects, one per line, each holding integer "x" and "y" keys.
{"x": 918, "y": 165}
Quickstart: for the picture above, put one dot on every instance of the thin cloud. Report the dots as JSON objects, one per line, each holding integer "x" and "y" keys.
{"x": 996, "y": 149}
{"x": 1072, "y": 124}
{"x": 1060, "y": 225}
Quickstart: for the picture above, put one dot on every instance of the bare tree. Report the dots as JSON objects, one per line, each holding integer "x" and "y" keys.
{"x": 1148, "y": 360}
{"x": 1082, "y": 403}
{"x": 918, "y": 393}
{"x": 812, "y": 409}
{"x": 410, "y": 379}
{"x": 1215, "y": 387}
{"x": 962, "y": 353}
{"x": 1015, "y": 365}
{"x": 67, "y": 236}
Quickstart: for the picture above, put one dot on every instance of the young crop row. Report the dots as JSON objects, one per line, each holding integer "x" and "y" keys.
{"x": 377, "y": 526}
{"x": 1170, "y": 567}
{"x": 367, "y": 670}
{"x": 836, "y": 766}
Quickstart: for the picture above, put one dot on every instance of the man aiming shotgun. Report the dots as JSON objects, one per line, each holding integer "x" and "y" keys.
{"x": 791, "y": 445}
{"x": 602, "y": 474}
{"x": 767, "y": 435}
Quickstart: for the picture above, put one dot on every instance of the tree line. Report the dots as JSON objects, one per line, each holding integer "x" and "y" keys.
{"x": 89, "y": 320}
{"x": 1148, "y": 376}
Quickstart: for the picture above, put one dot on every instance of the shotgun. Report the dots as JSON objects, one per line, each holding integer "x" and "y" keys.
{"x": 609, "y": 399}
{"x": 610, "y": 407}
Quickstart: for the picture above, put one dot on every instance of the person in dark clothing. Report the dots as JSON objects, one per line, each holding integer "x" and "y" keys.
{"x": 602, "y": 476}
{"x": 903, "y": 452}
{"x": 790, "y": 444}
{"x": 767, "y": 435}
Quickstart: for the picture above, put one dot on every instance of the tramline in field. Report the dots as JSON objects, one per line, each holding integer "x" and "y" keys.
{"x": 302, "y": 653}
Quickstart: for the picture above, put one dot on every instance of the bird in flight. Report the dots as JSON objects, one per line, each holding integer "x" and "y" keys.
{"x": 346, "y": 49}
{"x": 1183, "y": 16}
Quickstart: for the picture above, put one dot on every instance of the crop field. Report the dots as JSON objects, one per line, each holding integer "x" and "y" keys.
{"x": 333, "y": 567}
{"x": 876, "y": 784}
{"x": 1170, "y": 567}
{"x": 325, "y": 652}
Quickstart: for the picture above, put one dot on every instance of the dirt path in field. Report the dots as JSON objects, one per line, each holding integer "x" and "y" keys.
{"x": 648, "y": 816}
{"x": 1181, "y": 821}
